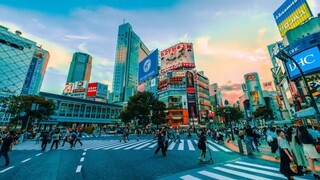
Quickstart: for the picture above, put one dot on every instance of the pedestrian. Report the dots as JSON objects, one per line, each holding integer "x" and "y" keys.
{"x": 7, "y": 144}
{"x": 274, "y": 142}
{"x": 73, "y": 138}
{"x": 66, "y": 138}
{"x": 55, "y": 139}
{"x": 138, "y": 134}
{"x": 309, "y": 149}
{"x": 124, "y": 135}
{"x": 177, "y": 135}
{"x": 297, "y": 149}
{"x": 78, "y": 138}
{"x": 161, "y": 143}
{"x": 45, "y": 138}
{"x": 202, "y": 145}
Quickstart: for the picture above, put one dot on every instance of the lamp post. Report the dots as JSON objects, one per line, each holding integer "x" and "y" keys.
{"x": 283, "y": 56}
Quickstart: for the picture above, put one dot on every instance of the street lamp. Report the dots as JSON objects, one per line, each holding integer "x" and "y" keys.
{"x": 283, "y": 56}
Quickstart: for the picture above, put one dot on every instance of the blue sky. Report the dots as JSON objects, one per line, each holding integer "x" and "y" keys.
{"x": 230, "y": 37}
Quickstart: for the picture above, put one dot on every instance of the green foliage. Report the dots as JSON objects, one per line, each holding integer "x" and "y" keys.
{"x": 264, "y": 112}
{"x": 234, "y": 113}
{"x": 23, "y": 105}
{"x": 144, "y": 106}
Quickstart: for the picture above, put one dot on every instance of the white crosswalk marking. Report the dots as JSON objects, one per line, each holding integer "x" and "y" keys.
{"x": 239, "y": 173}
{"x": 153, "y": 145}
{"x": 135, "y": 145}
{"x": 219, "y": 146}
{"x": 256, "y": 165}
{"x": 190, "y": 145}
{"x": 116, "y": 147}
{"x": 214, "y": 175}
{"x": 171, "y": 146}
{"x": 181, "y": 145}
{"x": 189, "y": 177}
{"x": 142, "y": 146}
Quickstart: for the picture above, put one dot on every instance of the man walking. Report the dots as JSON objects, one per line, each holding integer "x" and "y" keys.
{"x": 161, "y": 143}
{"x": 7, "y": 144}
{"x": 44, "y": 138}
{"x": 78, "y": 139}
{"x": 56, "y": 138}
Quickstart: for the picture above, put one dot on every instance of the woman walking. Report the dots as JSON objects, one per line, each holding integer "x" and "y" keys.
{"x": 297, "y": 149}
{"x": 309, "y": 149}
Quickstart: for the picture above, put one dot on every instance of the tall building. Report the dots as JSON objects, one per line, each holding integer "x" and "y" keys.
{"x": 203, "y": 95}
{"x": 130, "y": 51}
{"x": 37, "y": 69}
{"x": 17, "y": 54}
{"x": 80, "y": 67}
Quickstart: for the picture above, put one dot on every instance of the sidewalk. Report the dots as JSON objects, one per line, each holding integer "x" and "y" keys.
{"x": 264, "y": 152}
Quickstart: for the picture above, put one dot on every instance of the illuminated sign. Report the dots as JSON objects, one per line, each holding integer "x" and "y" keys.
{"x": 80, "y": 86}
{"x": 177, "y": 56}
{"x": 291, "y": 14}
{"x": 148, "y": 67}
{"x": 308, "y": 60}
{"x": 92, "y": 89}
{"x": 68, "y": 88}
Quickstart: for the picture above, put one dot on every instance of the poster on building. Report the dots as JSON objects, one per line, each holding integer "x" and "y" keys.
{"x": 177, "y": 56}
{"x": 102, "y": 90}
{"x": 92, "y": 89}
{"x": 189, "y": 79}
{"x": 80, "y": 86}
{"x": 314, "y": 84}
{"x": 255, "y": 97}
{"x": 267, "y": 85}
{"x": 148, "y": 67}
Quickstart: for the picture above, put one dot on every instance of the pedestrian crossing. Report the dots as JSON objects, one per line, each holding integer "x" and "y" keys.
{"x": 115, "y": 144}
{"x": 235, "y": 170}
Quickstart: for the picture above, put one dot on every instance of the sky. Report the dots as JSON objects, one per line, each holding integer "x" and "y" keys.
{"x": 230, "y": 37}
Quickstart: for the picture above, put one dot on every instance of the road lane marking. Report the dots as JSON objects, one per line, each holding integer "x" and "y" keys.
{"x": 26, "y": 160}
{"x": 239, "y": 173}
{"x": 181, "y": 145}
{"x": 171, "y": 146}
{"x": 82, "y": 159}
{"x": 189, "y": 177}
{"x": 78, "y": 169}
{"x": 39, "y": 154}
{"x": 6, "y": 169}
{"x": 83, "y": 154}
{"x": 214, "y": 175}
{"x": 153, "y": 145}
{"x": 212, "y": 148}
{"x": 136, "y": 145}
{"x": 190, "y": 145}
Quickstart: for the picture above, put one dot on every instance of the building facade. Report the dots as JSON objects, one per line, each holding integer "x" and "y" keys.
{"x": 203, "y": 95}
{"x": 80, "y": 67}
{"x": 130, "y": 51}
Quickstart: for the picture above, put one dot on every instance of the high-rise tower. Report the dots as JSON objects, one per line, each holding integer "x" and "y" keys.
{"x": 80, "y": 67}
{"x": 19, "y": 58}
{"x": 130, "y": 50}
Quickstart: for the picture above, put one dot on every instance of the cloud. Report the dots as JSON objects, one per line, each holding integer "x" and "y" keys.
{"x": 76, "y": 37}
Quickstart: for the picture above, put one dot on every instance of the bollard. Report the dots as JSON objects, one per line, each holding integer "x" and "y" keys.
{"x": 240, "y": 146}
{"x": 248, "y": 147}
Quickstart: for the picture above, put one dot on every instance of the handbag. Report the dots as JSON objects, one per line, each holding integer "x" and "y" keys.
{"x": 317, "y": 146}
{"x": 294, "y": 167}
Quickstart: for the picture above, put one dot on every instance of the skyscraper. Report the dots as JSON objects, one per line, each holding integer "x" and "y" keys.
{"x": 80, "y": 67}
{"x": 130, "y": 50}
{"x": 16, "y": 56}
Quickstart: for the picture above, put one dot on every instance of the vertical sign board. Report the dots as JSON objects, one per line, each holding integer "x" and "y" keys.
{"x": 102, "y": 90}
{"x": 191, "y": 97}
{"x": 28, "y": 79}
{"x": 92, "y": 89}
{"x": 291, "y": 14}
{"x": 148, "y": 67}
{"x": 254, "y": 90}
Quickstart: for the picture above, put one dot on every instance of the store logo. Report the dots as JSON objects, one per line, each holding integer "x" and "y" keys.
{"x": 304, "y": 61}
{"x": 250, "y": 77}
{"x": 147, "y": 65}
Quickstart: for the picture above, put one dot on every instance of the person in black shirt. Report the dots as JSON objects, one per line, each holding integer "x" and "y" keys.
{"x": 45, "y": 138}
{"x": 202, "y": 145}
{"x": 7, "y": 144}
{"x": 161, "y": 143}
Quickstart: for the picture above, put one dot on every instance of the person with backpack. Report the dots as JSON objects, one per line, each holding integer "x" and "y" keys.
{"x": 7, "y": 144}
{"x": 56, "y": 138}
{"x": 202, "y": 146}
{"x": 78, "y": 138}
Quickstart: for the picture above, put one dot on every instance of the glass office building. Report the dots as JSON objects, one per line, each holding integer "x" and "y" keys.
{"x": 130, "y": 50}
{"x": 16, "y": 54}
{"x": 80, "y": 67}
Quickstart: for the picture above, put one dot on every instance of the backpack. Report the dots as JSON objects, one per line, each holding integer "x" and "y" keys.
{"x": 55, "y": 137}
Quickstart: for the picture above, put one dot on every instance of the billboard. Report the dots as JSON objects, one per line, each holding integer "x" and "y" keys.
{"x": 80, "y": 86}
{"x": 255, "y": 97}
{"x": 92, "y": 89}
{"x": 148, "y": 67}
{"x": 291, "y": 14}
{"x": 102, "y": 90}
{"x": 68, "y": 88}
{"x": 267, "y": 85}
{"x": 308, "y": 60}
{"x": 177, "y": 56}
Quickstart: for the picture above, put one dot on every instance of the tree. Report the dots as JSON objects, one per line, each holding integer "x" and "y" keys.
{"x": 264, "y": 112}
{"x": 144, "y": 107}
{"x": 230, "y": 113}
{"x": 25, "y": 107}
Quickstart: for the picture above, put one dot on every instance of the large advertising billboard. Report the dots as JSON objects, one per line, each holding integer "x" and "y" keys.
{"x": 68, "y": 88}
{"x": 92, "y": 89}
{"x": 80, "y": 86}
{"x": 308, "y": 60}
{"x": 177, "y": 56}
{"x": 291, "y": 14}
{"x": 102, "y": 90}
{"x": 148, "y": 67}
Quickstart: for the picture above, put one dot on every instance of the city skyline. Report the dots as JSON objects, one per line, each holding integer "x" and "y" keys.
{"x": 222, "y": 33}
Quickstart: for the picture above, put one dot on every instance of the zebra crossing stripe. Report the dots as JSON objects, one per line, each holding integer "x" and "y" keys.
{"x": 214, "y": 175}
{"x": 256, "y": 165}
{"x": 221, "y": 147}
{"x": 106, "y": 145}
{"x": 126, "y": 145}
{"x": 136, "y": 145}
{"x": 190, "y": 145}
{"x": 86, "y": 145}
{"x": 142, "y": 146}
{"x": 171, "y": 146}
{"x": 189, "y": 177}
{"x": 181, "y": 145}
{"x": 242, "y": 174}
{"x": 153, "y": 145}
{"x": 117, "y": 145}
{"x": 212, "y": 148}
